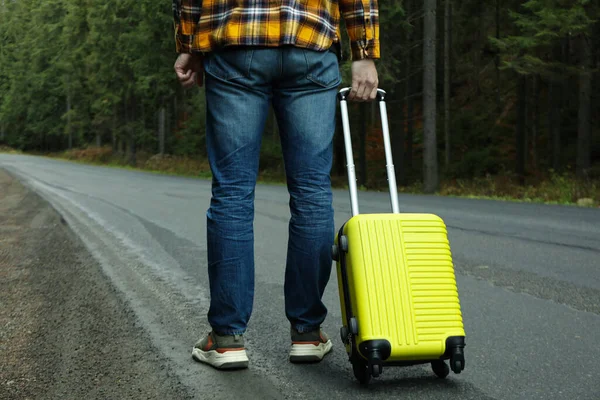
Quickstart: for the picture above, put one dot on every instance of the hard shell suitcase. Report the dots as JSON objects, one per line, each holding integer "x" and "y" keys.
{"x": 397, "y": 286}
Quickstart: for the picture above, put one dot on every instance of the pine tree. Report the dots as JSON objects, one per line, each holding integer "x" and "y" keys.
{"x": 544, "y": 25}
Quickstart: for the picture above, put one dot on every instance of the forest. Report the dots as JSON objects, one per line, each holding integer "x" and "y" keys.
{"x": 485, "y": 97}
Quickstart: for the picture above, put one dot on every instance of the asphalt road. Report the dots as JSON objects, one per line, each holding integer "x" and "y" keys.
{"x": 528, "y": 278}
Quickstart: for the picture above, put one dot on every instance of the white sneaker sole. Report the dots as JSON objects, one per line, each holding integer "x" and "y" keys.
{"x": 236, "y": 359}
{"x": 309, "y": 352}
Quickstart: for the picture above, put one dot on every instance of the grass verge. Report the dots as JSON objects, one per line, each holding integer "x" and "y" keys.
{"x": 552, "y": 188}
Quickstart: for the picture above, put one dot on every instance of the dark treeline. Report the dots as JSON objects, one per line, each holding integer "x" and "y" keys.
{"x": 475, "y": 87}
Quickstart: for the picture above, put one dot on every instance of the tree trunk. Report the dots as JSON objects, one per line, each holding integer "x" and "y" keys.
{"x": 131, "y": 148}
{"x": 409, "y": 100}
{"x": 69, "y": 128}
{"x": 521, "y": 127}
{"x": 555, "y": 121}
{"x": 447, "y": 30}
{"x": 132, "y": 139}
{"x": 410, "y": 127}
{"x": 584, "y": 115}
{"x": 176, "y": 113}
{"x": 161, "y": 130}
{"x": 114, "y": 129}
{"x": 555, "y": 100}
{"x": 535, "y": 121}
{"x": 527, "y": 126}
{"x": 142, "y": 119}
{"x": 497, "y": 60}
{"x": 132, "y": 152}
{"x": 168, "y": 123}
{"x": 482, "y": 37}
{"x": 430, "y": 167}
{"x": 398, "y": 144}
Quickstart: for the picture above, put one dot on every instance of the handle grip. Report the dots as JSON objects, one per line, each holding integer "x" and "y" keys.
{"x": 391, "y": 174}
{"x": 343, "y": 94}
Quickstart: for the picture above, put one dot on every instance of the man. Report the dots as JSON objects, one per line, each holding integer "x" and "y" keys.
{"x": 251, "y": 55}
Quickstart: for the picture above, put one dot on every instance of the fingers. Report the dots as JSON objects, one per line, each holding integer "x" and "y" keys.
{"x": 373, "y": 94}
{"x": 363, "y": 87}
{"x": 182, "y": 70}
{"x": 186, "y": 77}
{"x": 352, "y": 94}
{"x": 357, "y": 93}
{"x": 188, "y": 70}
{"x": 182, "y": 75}
{"x": 364, "y": 81}
{"x": 191, "y": 81}
{"x": 363, "y": 92}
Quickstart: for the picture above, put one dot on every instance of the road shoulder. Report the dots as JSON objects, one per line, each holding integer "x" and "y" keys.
{"x": 65, "y": 332}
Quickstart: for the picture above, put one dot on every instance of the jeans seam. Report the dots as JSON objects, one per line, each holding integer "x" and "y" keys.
{"x": 228, "y": 332}
{"x": 306, "y": 328}
{"x": 249, "y": 57}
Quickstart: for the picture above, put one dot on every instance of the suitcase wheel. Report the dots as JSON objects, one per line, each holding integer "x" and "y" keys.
{"x": 457, "y": 366}
{"x": 344, "y": 243}
{"x": 344, "y": 333}
{"x": 457, "y": 360}
{"x": 440, "y": 368}
{"x": 361, "y": 372}
{"x": 375, "y": 369}
{"x": 335, "y": 253}
{"x": 353, "y": 326}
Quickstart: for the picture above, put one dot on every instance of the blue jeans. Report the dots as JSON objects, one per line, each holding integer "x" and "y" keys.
{"x": 241, "y": 85}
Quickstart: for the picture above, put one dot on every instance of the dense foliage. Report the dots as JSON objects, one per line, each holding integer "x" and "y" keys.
{"x": 516, "y": 85}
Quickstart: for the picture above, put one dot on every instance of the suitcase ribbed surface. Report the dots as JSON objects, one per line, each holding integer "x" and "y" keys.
{"x": 408, "y": 293}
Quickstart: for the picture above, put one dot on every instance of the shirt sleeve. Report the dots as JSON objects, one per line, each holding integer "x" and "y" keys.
{"x": 362, "y": 24}
{"x": 186, "y": 15}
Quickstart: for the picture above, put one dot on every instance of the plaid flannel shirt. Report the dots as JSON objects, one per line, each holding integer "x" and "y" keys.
{"x": 204, "y": 25}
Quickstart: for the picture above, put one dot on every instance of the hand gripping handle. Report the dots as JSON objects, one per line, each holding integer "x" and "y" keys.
{"x": 391, "y": 174}
{"x": 343, "y": 94}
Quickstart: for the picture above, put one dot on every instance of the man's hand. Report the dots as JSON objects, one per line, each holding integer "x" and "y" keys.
{"x": 189, "y": 69}
{"x": 364, "y": 81}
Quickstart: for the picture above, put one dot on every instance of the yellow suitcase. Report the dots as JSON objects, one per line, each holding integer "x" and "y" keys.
{"x": 397, "y": 285}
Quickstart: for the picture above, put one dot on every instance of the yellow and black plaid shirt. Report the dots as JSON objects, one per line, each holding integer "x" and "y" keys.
{"x": 203, "y": 25}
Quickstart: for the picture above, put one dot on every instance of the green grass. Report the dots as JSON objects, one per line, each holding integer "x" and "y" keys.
{"x": 8, "y": 150}
{"x": 554, "y": 188}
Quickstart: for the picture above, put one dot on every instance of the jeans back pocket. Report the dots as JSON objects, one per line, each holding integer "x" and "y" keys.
{"x": 323, "y": 68}
{"x": 229, "y": 64}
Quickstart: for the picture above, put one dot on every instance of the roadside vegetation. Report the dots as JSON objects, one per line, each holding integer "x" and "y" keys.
{"x": 500, "y": 100}
{"x": 553, "y": 188}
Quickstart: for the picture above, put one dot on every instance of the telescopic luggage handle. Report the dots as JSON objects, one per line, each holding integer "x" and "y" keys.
{"x": 391, "y": 174}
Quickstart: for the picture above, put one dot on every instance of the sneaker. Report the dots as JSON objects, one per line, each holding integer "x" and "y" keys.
{"x": 309, "y": 346}
{"x": 222, "y": 352}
